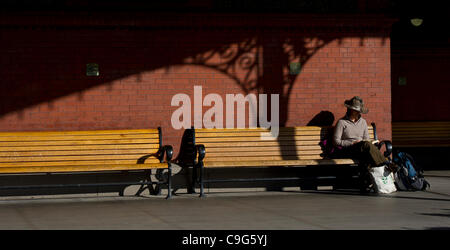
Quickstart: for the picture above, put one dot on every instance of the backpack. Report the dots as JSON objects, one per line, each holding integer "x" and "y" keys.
{"x": 409, "y": 176}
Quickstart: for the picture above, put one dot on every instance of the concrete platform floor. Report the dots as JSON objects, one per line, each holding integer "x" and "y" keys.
{"x": 236, "y": 209}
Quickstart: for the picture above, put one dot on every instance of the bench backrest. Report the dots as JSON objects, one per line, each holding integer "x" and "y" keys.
{"x": 294, "y": 143}
{"x": 19, "y": 150}
{"x": 421, "y": 134}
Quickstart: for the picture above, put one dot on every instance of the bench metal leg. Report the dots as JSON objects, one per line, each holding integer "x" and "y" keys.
{"x": 191, "y": 188}
{"x": 364, "y": 178}
{"x": 202, "y": 193}
{"x": 169, "y": 182}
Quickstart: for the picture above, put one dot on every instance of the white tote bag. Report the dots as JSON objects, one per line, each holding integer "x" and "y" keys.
{"x": 383, "y": 180}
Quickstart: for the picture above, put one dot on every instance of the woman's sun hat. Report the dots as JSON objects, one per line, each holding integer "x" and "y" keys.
{"x": 356, "y": 103}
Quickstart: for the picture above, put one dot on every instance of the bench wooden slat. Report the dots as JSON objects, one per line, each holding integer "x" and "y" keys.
{"x": 85, "y": 132}
{"x": 421, "y": 137}
{"x": 260, "y": 143}
{"x": 263, "y": 149}
{"x": 151, "y": 147}
{"x": 420, "y": 131}
{"x": 77, "y": 152}
{"x": 429, "y": 145}
{"x": 421, "y": 127}
{"x": 422, "y": 140}
{"x": 82, "y": 168}
{"x": 206, "y": 131}
{"x": 76, "y": 142}
{"x": 224, "y": 133}
{"x": 263, "y": 153}
{"x": 427, "y": 123}
{"x": 77, "y": 137}
{"x": 72, "y": 158}
{"x": 424, "y": 143}
{"x": 238, "y": 130}
{"x": 415, "y": 131}
{"x": 74, "y": 163}
{"x": 259, "y": 134}
{"x": 257, "y": 139}
{"x": 264, "y": 158}
{"x": 255, "y": 134}
{"x": 280, "y": 163}
{"x": 425, "y": 133}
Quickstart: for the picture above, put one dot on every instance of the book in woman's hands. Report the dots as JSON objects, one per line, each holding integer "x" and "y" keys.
{"x": 373, "y": 142}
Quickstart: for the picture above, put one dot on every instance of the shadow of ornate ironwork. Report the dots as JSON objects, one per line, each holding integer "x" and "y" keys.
{"x": 260, "y": 63}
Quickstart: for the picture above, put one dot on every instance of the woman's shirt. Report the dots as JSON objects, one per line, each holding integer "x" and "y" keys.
{"x": 346, "y": 132}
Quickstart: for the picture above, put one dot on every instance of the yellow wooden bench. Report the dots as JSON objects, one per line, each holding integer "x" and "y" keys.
{"x": 217, "y": 148}
{"x": 421, "y": 134}
{"x": 84, "y": 151}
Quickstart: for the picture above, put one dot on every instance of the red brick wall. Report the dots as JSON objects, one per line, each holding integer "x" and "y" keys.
{"x": 45, "y": 87}
{"x": 340, "y": 71}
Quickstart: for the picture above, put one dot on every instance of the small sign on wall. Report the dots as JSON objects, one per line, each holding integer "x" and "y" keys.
{"x": 92, "y": 69}
{"x": 294, "y": 68}
{"x": 402, "y": 81}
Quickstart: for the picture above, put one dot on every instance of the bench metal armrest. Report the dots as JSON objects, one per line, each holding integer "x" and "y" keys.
{"x": 388, "y": 145}
{"x": 166, "y": 150}
{"x": 200, "y": 150}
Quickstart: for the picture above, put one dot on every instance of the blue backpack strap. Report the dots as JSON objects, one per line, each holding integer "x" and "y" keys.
{"x": 417, "y": 167}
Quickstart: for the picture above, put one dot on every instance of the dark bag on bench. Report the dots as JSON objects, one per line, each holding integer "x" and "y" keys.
{"x": 329, "y": 150}
{"x": 409, "y": 176}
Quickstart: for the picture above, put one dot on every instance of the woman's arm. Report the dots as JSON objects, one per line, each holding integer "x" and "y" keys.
{"x": 366, "y": 136}
{"x": 337, "y": 137}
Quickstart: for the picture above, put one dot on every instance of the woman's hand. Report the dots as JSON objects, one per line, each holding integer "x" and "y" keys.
{"x": 355, "y": 142}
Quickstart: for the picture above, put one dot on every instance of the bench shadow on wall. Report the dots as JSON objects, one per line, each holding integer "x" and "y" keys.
{"x": 257, "y": 60}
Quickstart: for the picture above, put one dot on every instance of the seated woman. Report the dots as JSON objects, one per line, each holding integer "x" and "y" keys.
{"x": 351, "y": 137}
